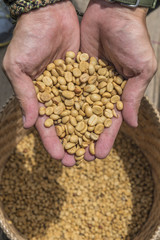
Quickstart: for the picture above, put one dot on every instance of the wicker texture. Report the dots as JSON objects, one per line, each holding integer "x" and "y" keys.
{"x": 146, "y": 135}
{"x": 11, "y": 132}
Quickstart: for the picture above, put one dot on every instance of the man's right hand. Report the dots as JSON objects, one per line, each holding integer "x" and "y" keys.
{"x": 41, "y": 36}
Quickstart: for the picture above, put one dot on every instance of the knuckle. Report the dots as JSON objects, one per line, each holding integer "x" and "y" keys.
{"x": 150, "y": 69}
{"x": 155, "y": 66}
{"x": 4, "y": 64}
{"x": 10, "y": 66}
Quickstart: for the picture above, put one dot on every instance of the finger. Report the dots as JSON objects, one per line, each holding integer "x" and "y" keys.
{"x": 68, "y": 160}
{"x": 131, "y": 97}
{"x": 88, "y": 156}
{"x": 50, "y": 139}
{"x": 25, "y": 92}
{"x": 107, "y": 138}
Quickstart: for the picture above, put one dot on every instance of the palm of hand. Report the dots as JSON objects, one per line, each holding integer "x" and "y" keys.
{"x": 38, "y": 39}
{"x": 119, "y": 35}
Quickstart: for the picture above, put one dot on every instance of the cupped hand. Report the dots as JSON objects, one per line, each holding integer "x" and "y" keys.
{"x": 41, "y": 36}
{"x": 119, "y": 35}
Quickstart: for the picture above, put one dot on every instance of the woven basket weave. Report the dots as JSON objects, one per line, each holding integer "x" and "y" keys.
{"x": 146, "y": 136}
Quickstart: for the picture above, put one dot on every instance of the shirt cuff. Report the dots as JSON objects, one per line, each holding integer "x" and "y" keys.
{"x": 18, "y": 7}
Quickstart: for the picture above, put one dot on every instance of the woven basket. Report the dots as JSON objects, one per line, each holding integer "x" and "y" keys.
{"x": 146, "y": 136}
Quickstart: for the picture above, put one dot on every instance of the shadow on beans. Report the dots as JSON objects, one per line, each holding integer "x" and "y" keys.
{"x": 35, "y": 199}
{"x": 140, "y": 181}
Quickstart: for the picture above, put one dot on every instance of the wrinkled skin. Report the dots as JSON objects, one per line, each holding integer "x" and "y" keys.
{"x": 108, "y": 31}
{"x": 119, "y": 35}
{"x": 39, "y": 37}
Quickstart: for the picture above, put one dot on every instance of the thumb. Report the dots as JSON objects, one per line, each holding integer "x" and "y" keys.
{"x": 25, "y": 92}
{"x": 132, "y": 95}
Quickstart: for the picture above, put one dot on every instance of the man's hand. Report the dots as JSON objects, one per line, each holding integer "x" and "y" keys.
{"x": 40, "y": 37}
{"x": 119, "y": 35}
